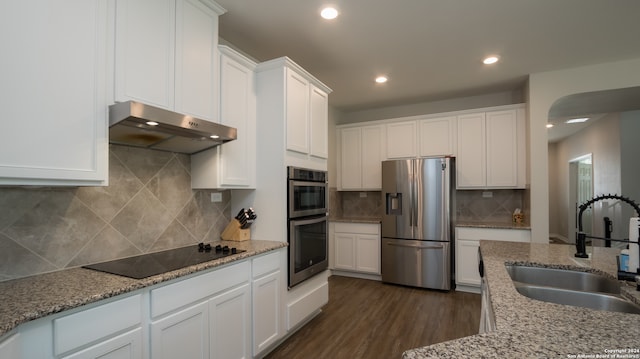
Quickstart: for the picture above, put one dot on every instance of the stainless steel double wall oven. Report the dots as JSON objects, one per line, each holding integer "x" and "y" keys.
{"x": 307, "y": 209}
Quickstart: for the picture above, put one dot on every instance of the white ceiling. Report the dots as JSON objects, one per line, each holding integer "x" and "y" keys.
{"x": 431, "y": 49}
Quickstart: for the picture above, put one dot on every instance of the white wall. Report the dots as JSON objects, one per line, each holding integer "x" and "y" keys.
{"x": 544, "y": 89}
{"x": 630, "y": 157}
{"x": 426, "y": 108}
{"x": 602, "y": 140}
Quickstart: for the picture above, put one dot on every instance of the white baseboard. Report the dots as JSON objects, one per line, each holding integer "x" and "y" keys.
{"x": 559, "y": 237}
{"x": 356, "y": 275}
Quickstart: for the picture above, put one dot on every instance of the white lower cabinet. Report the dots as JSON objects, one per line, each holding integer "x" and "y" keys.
{"x": 467, "y": 244}
{"x": 10, "y": 347}
{"x": 184, "y": 334}
{"x": 467, "y": 263}
{"x": 357, "y": 247}
{"x": 123, "y": 346}
{"x": 230, "y": 324}
{"x": 72, "y": 334}
{"x": 216, "y": 321}
{"x": 213, "y": 314}
{"x": 267, "y": 288}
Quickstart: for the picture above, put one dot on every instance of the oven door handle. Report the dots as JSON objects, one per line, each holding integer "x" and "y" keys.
{"x": 302, "y": 222}
{"x": 308, "y": 183}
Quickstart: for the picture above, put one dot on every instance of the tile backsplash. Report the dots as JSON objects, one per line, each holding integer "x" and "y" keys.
{"x": 471, "y": 205}
{"x": 148, "y": 206}
{"x": 346, "y": 204}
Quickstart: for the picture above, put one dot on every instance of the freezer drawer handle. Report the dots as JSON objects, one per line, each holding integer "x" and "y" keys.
{"x": 419, "y": 247}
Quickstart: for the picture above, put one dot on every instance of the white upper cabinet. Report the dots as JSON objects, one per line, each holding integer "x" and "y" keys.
{"x": 502, "y": 148}
{"x": 437, "y": 136}
{"x": 360, "y": 154}
{"x": 491, "y": 149}
{"x": 401, "y": 140}
{"x": 471, "y": 161}
{"x": 319, "y": 122}
{"x": 297, "y": 105}
{"x": 350, "y": 175}
{"x": 54, "y": 72}
{"x": 292, "y": 110}
{"x": 307, "y": 113}
{"x": 233, "y": 164}
{"x": 166, "y": 54}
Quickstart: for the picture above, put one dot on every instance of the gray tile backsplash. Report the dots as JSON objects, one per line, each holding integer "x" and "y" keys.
{"x": 148, "y": 206}
{"x": 471, "y": 205}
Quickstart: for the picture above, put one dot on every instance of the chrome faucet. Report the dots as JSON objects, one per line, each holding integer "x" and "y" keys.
{"x": 581, "y": 237}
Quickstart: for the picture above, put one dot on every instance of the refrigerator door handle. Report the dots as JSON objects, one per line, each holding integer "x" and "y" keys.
{"x": 440, "y": 246}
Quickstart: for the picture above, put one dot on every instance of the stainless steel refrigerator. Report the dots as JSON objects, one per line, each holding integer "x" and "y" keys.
{"x": 416, "y": 223}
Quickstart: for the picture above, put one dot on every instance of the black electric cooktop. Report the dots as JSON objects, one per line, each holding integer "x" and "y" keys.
{"x": 147, "y": 265}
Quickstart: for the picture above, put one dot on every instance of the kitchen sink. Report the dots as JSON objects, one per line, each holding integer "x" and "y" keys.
{"x": 598, "y": 301}
{"x": 563, "y": 278}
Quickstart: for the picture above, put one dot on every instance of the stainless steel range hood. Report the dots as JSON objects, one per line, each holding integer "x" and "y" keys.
{"x": 136, "y": 124}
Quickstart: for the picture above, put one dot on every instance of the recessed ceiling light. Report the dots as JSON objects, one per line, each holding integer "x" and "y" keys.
{"x": 329, "y": 13}
{"x": 549, "y": 125}
{"x": 577, "y": 120}
{"x": 381, "y": 79}
{"x": 214, "y": 136}
{"x": 152, "y": 123}
{"x": 490, "y": 60}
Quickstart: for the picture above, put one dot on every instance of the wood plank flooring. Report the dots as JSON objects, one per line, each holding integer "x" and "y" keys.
{"x": 369, "y": 319}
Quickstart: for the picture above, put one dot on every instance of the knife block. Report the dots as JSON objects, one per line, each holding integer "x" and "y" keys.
{"x": 233, "y": 232}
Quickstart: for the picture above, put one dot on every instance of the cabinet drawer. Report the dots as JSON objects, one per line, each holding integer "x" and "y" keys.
{"x": 99, "y": 322}
{"x": 359, "y": 228}
{"x": 266, "y": 264}
{"x": 179, "y": 294}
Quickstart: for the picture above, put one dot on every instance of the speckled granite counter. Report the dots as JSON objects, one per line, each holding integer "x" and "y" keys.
{"x": 35, "y": 297}
{"x": 498, "y": 225}
{"x": 526, "y": 328}
{"x": 355, "y": 219}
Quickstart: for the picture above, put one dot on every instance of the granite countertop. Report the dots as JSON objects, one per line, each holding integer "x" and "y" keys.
{"x": 493, "y": 224}
{"x": 527, "y": 328}
{"x": 34, "y": 297}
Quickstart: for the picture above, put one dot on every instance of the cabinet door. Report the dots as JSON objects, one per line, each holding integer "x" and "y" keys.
{"x": 438, "y": 136}
{"x": 297, "y": 112}
{"x": 401, "y": 140}
{"x": 183, "y": 335}
{"x": 372, "y": 147}
{"x": 10, "y": 347}
{"x": 471, "y": 160}
{"x": 266, "y": 311}
{"x": 345, "y": 256}
{"x": 368, "y": 253}
{"x": 145, "y": 30}
{"x": 467, "y": 262}
{"x": 502, "y": 149}
{"x": 230, "y": 324}
{"x": 54, "y": 100}
{"x": 196, "y": 32}
{"x": 350, "y": 158}
{"x": 124, "y": 346}
{"x": 238, "y": 109}
{"x": 319, "y": 120}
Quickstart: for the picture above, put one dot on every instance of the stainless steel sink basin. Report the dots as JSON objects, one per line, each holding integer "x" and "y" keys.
{"x": 598, "y": 301}
{"x": 563, "y": 278}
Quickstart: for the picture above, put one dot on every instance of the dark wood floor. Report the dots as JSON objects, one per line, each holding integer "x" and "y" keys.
{"x": 369, "y": 319}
